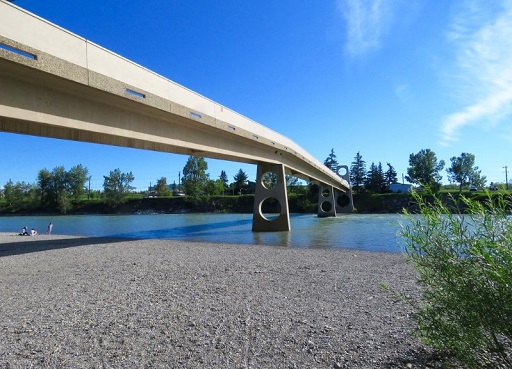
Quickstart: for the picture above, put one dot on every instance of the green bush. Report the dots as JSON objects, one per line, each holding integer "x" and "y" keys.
{"x": 464, "y": 265}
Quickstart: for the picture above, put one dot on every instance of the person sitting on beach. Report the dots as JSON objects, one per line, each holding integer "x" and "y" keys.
{"x": 24, "y": 231}
{"x": 33, "y": 232}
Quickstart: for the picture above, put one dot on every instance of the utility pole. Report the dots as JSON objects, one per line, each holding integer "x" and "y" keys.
{"x": 506, "y": 177}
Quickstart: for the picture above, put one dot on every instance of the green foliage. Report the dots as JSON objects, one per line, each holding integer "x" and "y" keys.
{"x": 214, "y": 188}
{"x": 18, "y": 195}
{"x": 270, "y": 180}
{"x": 390, "y": 176}
{"x": 194, "y": 176}
{"x": 116, "y": 186}
{"x": 240, "y": 184}
{"x": 224, "y": 179}
{"x": 161, "y": 187}
{"x": 358, "y": 172}
{"x": 464, "y": 172}
{"x": 76, "y": 178}
{"x": 375, "y": 180}
{"x": 424, "y": 169}
{"x": 331, "y": 162}
{"x": 59, "y": 186}
{"x": 464, "y": 264}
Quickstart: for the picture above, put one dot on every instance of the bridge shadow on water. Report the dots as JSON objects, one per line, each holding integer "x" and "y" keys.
{"x": 231, "y": 232}
{"x": 194, "y": 230}
{"x": 234, "y": 231}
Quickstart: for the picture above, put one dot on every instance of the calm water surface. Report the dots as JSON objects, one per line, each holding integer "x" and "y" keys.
{"x": 357, "y": 231}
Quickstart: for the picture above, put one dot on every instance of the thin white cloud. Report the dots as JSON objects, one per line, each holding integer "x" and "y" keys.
{"x": 367, "y": 22}
{"x": 481, "y": 37}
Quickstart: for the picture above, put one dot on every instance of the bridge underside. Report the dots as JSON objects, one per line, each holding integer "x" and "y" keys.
{"x": 41, "y": 103}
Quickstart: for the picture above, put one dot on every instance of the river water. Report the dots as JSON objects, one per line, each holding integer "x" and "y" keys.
{"x": 369, "y": 232}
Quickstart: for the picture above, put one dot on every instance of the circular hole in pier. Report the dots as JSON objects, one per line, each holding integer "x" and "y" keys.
{"x": 326, "y": 206}
{"x": 270, "y": 208}
{"x": 269, "y": 180}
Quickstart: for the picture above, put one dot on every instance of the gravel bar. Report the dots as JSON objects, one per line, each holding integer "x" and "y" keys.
{"x": 81, "y": 302}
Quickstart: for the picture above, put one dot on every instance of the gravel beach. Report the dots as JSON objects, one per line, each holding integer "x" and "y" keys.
{"x": 78, "y": 302}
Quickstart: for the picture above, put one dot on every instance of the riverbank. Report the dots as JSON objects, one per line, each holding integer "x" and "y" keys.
{"x": 88, "y": 302}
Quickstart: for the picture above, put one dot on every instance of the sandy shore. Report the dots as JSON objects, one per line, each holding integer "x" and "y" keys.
{"x": 71, "y": 302}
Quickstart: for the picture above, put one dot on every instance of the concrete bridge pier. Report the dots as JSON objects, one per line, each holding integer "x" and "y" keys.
{"x": 332, "y": 200}
{"x": 264, "y": 191}
{"x": 326, "y": 201}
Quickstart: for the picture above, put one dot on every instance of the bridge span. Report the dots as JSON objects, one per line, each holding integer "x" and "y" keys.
{"x": 56, "y": 84}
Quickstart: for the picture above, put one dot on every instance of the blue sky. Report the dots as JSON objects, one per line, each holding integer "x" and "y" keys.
{"x": 385, "y": 78}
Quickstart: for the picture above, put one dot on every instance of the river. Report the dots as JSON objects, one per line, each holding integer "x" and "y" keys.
{"x": 369, "y": 232}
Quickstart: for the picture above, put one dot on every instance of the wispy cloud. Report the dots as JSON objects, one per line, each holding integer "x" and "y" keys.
{"x": 481, "y": 36}
{"x": 367, "y": 24}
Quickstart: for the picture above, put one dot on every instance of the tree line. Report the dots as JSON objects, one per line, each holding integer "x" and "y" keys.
{"x": 424, "y": 170}
{"x": 60, "y": 190}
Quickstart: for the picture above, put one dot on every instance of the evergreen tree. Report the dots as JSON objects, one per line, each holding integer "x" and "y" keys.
{"x": 375, "y": 181}
{"x": 331, "y": 162}
{"x": 224, "y": 178}
{"x": 358, "y": 172}
{"x": 240, "y": 183}
{"x": 390, "y": 175}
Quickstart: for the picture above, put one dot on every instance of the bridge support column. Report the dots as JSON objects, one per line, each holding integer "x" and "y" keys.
{"x": 331, "y": 200}
{"x": 326, "y": 201}
{"x": 281, "y": 222}
{"x": 344, "y": 200}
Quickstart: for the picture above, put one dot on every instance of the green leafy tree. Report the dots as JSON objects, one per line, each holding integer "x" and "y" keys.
{"x": 17, "y": 195}
{"x": 478, "y": 180}
{"x": 240, "y": 184}
{"x": 161, "y": 187}
{"x": 76, "y": 179}
{"x": 116, "y": 186}
{"x": 390, "y": 175}
{"x": 59, "y": 185}
{"x": 331, "y": 162}
{"x": 44, "y": 182}
{"x": 358, "y": 172}
{"x": 424, "y": 169}
{"x": 214, "y": 188}
{"x": 464, "y": 172}
{"x": 194, "y": 176}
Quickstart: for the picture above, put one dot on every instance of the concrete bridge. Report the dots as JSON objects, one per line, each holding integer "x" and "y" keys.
{"x": 56, "y": 84}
